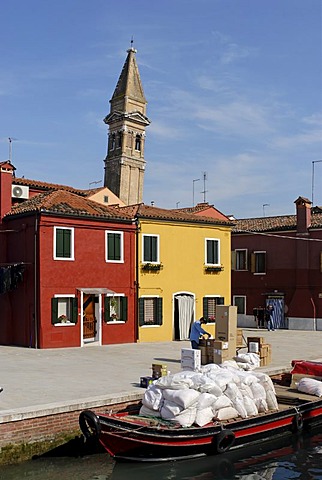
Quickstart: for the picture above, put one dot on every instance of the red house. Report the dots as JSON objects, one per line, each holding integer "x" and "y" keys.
{"x": 278, "y": 261}
{"x": 67, "y": 267}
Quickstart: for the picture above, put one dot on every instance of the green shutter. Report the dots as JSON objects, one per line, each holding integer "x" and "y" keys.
{"x": 210, "y": 259}
{"x": 158, "y": 311}
{"x": 154, "y": 249}
{"x": 123, "y": 308}
{"x": 141, "y": 311}
{"x": 59, "y": 243}
{"x": 67, "y": 243}
{"x": 74, "y": 311}
{"x": 205, "y": 307}
{"x": 117, "y": 246}
{"x": 54, "y": 311}
{"x": 107, "y": 301}
{"x": 220, "y": 301}
{"x": 146, "y": 249}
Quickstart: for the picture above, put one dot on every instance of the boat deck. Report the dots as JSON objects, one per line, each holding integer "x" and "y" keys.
{"x": 287, "y": 396}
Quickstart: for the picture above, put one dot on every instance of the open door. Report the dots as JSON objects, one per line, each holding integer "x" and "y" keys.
{"x": 89, "y": 319}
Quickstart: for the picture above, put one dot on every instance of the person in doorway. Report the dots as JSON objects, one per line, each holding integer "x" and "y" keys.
{"x": 268, "y": 317}
{"x": 197, "y": 331}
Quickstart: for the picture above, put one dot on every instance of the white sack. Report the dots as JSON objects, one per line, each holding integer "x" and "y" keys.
{"x": 250, "y": 406}
{"x": 170, "y": 410}
{"x": 187, "y": 417}
{"x": 206, "y": 400}
{"x": 175, "y": 382}
{"x": 184, "y": 398}
{"x": 311, "y": 386}
{"x": 261, "y": 405}
{"x": 226, "y": 413}
{"x": 271, "y": 400}
{"x": 204, "y": 416}
{"x": 152, "y": 397}
{"x": 258, "y": 390}
{"x": 148, "y": 412}
{"x": 221, "y": 402}
{"x": 210, "y": 367}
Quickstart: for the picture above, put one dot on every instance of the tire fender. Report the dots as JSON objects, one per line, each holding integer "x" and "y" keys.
{"x": 224, "y": 440}
{"x": 297, "y": 423}
{"x": 89, "y": 424}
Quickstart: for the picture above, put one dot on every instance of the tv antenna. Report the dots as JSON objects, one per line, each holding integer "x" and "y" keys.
{"x": 94, "y": 183}
{"x": 10, "y": 140}
{"x": 204, "y": 186}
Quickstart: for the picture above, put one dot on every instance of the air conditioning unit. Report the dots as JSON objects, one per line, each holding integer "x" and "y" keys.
{"x": 20, "y": 191}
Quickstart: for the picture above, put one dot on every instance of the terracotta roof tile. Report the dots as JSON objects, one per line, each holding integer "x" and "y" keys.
{"x": 271, "y": 224}
{"x": 65, "y": 202}
{"x": 45, "y": 186}
{"x": 146, "y": 211}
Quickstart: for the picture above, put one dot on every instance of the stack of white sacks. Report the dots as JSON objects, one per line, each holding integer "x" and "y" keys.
{"x": 215, "y": 393}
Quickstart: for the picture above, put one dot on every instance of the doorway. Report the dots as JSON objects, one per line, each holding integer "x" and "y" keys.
{"x": 90, "y": 313}
{"x": 183, "y": 315}
{"x": 278, "y": 318}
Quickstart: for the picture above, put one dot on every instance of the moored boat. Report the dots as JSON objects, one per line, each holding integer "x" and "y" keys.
{"x": 132, "y": 437}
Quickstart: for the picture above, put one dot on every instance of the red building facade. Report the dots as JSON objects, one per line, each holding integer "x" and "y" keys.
{"x": 277, "y": 261}
{"x": 67, "y": 267}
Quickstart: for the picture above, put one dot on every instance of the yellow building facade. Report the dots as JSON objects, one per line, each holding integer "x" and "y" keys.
{"x": 183, "y": 272}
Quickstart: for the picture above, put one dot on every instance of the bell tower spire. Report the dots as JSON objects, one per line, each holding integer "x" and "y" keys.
{"x": 127, "y": 120}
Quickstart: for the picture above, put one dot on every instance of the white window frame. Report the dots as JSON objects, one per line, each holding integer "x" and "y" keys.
{"x": 240, "y": 296}
{"x": 119, "y": 232}
{"x": 150, "y": 325}
{"x": 157, "y": 262}
{"x": 218, "y": 246}
{"x": 72, "y": 246}
{"x": 246, "y": 259}
{"x": 115, "y": 322}
{"x": 64, "y": 324}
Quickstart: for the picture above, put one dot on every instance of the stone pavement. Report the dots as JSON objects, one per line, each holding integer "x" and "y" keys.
{"x": 41, "y": 379}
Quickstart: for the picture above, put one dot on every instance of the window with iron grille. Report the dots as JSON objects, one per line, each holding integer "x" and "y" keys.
{"x": 209, "y": 307}
{"x": 150, "y": 311}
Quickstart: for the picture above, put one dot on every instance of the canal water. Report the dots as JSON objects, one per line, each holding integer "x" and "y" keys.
{"x": 298, "y": 458}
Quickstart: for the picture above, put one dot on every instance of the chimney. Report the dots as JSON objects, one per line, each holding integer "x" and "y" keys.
{"x": 6, "y": 174}
{"x": 303, "y": 214}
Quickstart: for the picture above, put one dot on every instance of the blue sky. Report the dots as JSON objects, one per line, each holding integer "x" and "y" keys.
{"x": 234, "y": 90}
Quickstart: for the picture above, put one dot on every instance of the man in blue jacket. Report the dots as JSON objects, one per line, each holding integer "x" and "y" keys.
{"x": 197, "y": 331}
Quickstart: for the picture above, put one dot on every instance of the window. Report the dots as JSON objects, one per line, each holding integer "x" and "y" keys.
{"x": 119, "y": 140}
{"x": 114, "y": 246}
{"x": 63, "y": 243}
{"x": 138, "y": 143}
{"x": 209, "y": 307}
{"x": 64, "y": 310}
{"x": 212, "y": 251}
{"x": 150, "y": 311}
{"x": 113, "y": 141}
{"x": 240, "y": 303}
{"x": 151, "y": 248}
{"x": 115, "y": 309}
{"x": 241, "y": 259}
{"x": 258, "y": 262}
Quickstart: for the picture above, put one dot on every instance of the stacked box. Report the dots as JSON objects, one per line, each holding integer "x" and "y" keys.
{"x": 265, "y": 354}
{"x": 226, "y": 325}
{"x": 159, "y": 370}
{"x": 204, "y": 354}
{"x": 254, "y": 344}
{"x": 239, "y": 337}
{"x": 220, "y": 351}
{"x": 146, "y": 381}
{"x": 190, "y": 359}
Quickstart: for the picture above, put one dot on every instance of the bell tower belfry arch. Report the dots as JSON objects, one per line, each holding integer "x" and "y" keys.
{"x": 127, "y": 120}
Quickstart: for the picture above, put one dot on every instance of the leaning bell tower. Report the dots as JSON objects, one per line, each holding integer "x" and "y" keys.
{"x": 127, "y": 120}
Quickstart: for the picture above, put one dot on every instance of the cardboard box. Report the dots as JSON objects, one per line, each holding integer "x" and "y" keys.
{"x": 145, "y": 381}
{"x": 219, "y": 356}
{"x": 190, "y": 359}
{"x": 226, "y": 323}
{"x": 159, "y": 370}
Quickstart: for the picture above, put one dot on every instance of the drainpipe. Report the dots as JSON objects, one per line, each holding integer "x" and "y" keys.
{"x": 314, "y": 314}
{"x": 35, "y": 284}
{"x": 136, "y": 280}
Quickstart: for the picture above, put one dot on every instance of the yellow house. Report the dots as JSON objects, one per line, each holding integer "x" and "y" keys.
{"x": 183, "y": 271}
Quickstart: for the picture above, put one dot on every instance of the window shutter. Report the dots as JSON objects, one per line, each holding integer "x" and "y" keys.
{"x": 74, "y": 311}
{"x": 252, "y": 262}
{"x": 158, "y": 311}
{"x": 220, "y": 301}
{"x": 123, "y": 301}
{"x": 146, "y": 249}
{"x": 141, "y": 311}
{"x": 54, "y": 311}
{"x": 321, "y": 262}
{"x": 205, "y": 307}
{"x": 67, "y": 243}
{"x": 233, "y": 260}
{"x": 154, "y": 249}
{"x": 209, "y": 258}
{"x": 59, "y": 243}
{"x": 107, "y": 301}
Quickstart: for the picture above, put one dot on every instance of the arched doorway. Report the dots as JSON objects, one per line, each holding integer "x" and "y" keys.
{"x": 183, "y": 314}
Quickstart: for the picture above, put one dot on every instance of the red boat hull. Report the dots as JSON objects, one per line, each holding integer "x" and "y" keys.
{"x": 127, "y": 437}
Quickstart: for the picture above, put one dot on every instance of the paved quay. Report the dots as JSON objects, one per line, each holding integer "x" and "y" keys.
{"x": 41, "y": 379}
